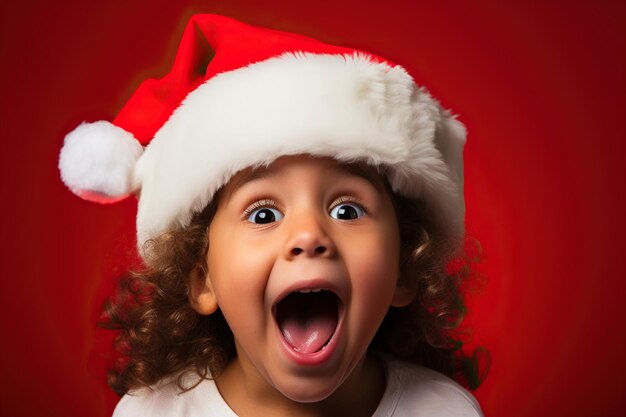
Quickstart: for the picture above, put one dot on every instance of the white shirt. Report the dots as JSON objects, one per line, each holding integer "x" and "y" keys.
{"x": 411, "y": 391}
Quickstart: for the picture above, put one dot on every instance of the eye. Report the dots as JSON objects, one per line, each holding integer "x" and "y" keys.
{"x": 347, "y": 211}
{"x": 264, "y": 215}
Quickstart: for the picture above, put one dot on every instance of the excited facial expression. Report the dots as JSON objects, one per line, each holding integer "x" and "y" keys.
{"x": 303, "y": 262}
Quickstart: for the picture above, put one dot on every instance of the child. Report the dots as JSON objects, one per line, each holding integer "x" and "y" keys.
{"x": 299, "y": 206}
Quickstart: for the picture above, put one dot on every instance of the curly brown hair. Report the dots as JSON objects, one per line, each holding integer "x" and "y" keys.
{"x": 161, "y": 335}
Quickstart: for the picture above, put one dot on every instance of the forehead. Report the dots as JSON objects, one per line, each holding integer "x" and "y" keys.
{"x": 329, "y": 166}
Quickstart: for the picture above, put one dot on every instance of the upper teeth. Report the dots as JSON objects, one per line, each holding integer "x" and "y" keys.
{"x": 310, "y": 290}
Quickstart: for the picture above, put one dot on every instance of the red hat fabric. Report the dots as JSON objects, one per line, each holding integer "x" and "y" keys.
{"x": 239, "y": 96}
{"x": 210, "y": 45}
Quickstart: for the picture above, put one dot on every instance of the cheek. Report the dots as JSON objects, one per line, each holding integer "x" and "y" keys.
{"x": 380, "y": 251}
{"x": 373, "y": 287}
{"x": 374, "y": 271}
{"x": 238, "y": 270}
{"x": 376, "y": 278}
{"x": 235, "y": 291}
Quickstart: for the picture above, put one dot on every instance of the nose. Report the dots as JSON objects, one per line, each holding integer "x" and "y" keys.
{"x": 308, "y": 238}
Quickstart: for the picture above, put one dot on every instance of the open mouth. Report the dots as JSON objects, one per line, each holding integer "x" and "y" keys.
{"x": 308, "y": 319}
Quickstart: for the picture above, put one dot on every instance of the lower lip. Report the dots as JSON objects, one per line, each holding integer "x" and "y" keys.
{"x": 315, "y": 358}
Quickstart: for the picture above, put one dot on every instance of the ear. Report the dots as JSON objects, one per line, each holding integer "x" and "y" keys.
{"x": 201, "y": 295}
{"x": 403, "y": 296}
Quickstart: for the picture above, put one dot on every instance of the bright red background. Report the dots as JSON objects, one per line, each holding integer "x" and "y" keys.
{"x": 540, "y": 87}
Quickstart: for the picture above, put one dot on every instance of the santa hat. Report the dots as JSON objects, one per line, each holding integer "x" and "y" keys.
{"x": 240, "y": 96}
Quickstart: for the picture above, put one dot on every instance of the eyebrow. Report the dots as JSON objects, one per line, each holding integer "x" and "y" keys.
{"x": 370, "y": 173}
{"x": 243, "y": 177}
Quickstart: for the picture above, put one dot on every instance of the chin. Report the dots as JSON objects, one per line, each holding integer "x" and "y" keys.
{"x": 308, "y": 390}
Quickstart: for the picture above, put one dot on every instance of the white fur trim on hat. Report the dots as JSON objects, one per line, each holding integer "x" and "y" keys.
{"x": 348, "y": 107}
{"x": 97, "y": 161}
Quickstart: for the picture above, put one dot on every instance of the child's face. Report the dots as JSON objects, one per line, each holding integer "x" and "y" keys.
{"x": 279, "y": 236}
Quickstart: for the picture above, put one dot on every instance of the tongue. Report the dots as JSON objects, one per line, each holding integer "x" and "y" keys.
{"x": 308, "y": 321}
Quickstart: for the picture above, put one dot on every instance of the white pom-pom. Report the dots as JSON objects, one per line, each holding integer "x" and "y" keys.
{"x": 97, "y": 161}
